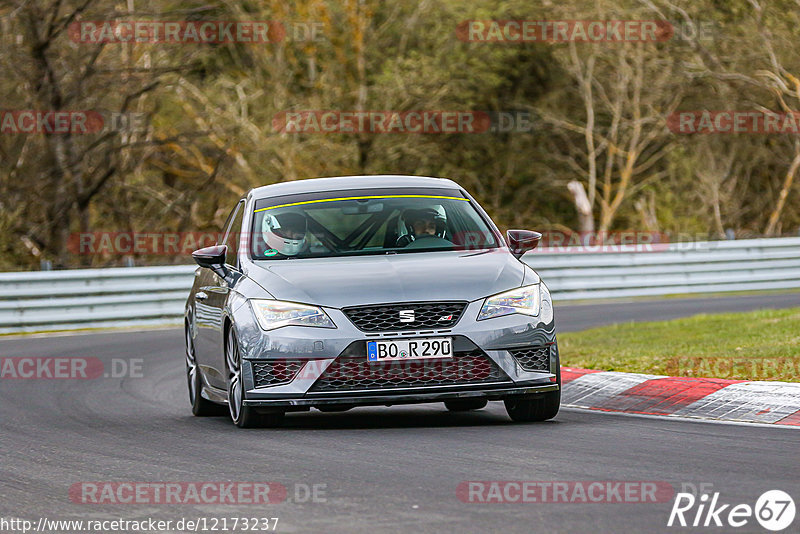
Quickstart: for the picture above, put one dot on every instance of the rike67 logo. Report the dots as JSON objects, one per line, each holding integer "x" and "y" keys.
{"x": 774, "y": 510}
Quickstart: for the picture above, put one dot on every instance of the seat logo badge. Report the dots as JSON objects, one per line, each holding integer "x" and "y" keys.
{"x": 406, "y": 316}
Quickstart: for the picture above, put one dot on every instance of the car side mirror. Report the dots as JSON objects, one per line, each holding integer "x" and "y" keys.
{"x": 521, "y": 241}
{"x": 213, "y": 258}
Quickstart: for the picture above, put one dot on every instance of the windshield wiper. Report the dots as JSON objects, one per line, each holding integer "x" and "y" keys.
{"x": 484, "y": 251}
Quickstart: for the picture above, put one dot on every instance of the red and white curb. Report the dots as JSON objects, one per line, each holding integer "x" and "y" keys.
{"x": 698, "y": 398}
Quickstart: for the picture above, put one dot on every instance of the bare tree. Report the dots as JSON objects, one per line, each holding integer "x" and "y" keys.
{"x": 619, "y": 153}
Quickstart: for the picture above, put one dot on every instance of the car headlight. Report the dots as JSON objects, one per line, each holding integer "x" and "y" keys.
{"x": 272, "y": 314}
{"x": 524, "y": 300}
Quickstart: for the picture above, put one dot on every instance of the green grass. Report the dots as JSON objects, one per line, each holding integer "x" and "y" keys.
{"x": 760, "y": 345}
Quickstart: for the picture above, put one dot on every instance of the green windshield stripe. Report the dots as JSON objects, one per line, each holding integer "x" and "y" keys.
{"x": 358, "y": 198}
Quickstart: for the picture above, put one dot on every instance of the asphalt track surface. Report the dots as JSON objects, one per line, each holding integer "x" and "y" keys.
{"x": 383, "y": 469}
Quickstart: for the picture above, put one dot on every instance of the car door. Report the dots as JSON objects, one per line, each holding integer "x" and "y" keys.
{"x": 210, "y": 300}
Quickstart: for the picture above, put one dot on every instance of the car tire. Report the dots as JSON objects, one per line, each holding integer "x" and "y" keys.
{"x": 533, "y": 408}
{"x": 201, "y": 407}
{"x": 463, "y": 405}
{"x": 242, "y": 415}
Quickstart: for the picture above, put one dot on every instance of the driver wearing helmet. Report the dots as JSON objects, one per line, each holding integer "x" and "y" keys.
{"x": 284, "y": 233}
{"x": 421, "y": 223}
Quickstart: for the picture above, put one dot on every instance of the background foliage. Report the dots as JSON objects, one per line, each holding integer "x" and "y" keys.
{"x": 599, "y": 113}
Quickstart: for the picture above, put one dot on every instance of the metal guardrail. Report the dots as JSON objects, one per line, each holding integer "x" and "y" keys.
{"x": 698, "y": 267}
{"x": 92, "y": 298}
{"x": 136, "y": 296}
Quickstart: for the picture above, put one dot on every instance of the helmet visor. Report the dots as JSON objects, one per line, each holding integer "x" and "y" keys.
{"x": 290, "y": 226}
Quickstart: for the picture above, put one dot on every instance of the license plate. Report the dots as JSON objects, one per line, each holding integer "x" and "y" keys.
{"x": 410, "y": 349}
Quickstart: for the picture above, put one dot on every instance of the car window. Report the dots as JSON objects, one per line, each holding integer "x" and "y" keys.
{"x": 367, "y": 223}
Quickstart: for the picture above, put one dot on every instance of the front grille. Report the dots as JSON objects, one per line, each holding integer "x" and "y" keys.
{"x": 354, "y": 372}
{"x": 533, "y": 358}
{"x": 386, "y": 317}
{"x": 274, "y": 372}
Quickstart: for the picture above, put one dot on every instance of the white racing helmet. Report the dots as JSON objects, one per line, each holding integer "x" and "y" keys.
{"x": 285, "y": 232}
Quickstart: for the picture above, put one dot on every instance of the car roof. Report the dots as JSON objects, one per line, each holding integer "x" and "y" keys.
{"x": 338, "y": 183}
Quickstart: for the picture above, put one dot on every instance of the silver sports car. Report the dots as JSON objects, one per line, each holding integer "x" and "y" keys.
{"x": 368, "y": 291}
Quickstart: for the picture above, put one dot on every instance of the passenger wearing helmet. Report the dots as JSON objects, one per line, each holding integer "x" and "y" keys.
{"x": 423, "y": 223}
{"x": 284, "y": 233}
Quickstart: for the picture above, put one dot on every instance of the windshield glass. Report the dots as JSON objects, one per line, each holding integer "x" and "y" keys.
{"x": 360, "y": 223}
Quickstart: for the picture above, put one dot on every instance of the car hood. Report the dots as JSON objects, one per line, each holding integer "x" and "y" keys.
{"x": 349, "y": 281}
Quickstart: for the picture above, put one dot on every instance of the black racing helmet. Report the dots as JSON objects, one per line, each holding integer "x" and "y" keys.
{"x": 435, "y": 214}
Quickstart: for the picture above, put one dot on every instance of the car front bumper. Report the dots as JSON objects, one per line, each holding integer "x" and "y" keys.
{"x": 412, "y": 396}
{"x": 494, "y": 337}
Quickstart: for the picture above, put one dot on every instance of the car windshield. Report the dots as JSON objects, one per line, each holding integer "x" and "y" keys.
{"x": 366, "y": 222}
